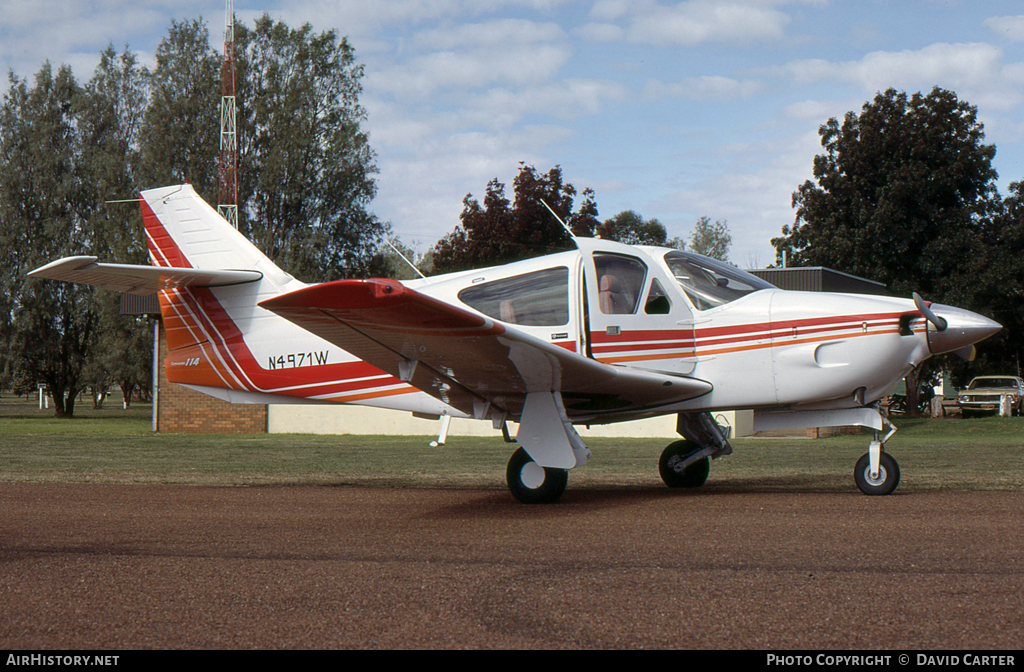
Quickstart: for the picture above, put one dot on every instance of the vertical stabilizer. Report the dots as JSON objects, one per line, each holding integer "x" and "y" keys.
{"x": 207, "y": 324}
{"x": 184, "y": 231}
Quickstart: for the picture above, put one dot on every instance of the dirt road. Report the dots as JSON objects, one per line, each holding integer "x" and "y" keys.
{"x": 113, "y": 567}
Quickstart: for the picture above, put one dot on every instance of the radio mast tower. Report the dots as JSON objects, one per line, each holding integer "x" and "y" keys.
{"x": 227, "y": 196}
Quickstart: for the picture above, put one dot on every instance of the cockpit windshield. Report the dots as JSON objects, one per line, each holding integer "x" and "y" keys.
{"x": 709, "y": 283}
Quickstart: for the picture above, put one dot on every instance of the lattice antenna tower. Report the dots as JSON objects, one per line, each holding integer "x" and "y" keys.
{"x": 227, "y": 195}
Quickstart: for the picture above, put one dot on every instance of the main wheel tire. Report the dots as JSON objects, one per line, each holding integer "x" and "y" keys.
{"x": 888, "y": 475}
{"x": 693, "y": 476}
{"x": 531, "y": 483}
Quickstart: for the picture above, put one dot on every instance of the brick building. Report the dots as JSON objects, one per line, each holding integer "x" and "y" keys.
{"x": 179, "y": 409}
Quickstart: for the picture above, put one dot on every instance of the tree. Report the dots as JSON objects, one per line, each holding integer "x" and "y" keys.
{"x": 43, "y": 207}
{"x": 904, "y": 194}
{"x": 999, "y": 278}
{"x": 305, "y": 167}
{"x": 180, "y": 133}
{"x": 630, "y": 228}
{"x": 305, "y": 164}
{"x": 901, "y": 194}
{"x": 711, "y": 240}
{"x": 66, "y": 150}
{"x": 110, "y": 114}
{"x": 500, "y": 231}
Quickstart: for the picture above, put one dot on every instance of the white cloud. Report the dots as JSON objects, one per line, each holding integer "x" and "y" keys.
{"x": 76, "y": 33}
{"x": 490, "y": 34}
{"x": 698, "y": 21}
{"x": 421, "y": 76}
{"x": 363, "y": 18}
{"x": 422, "y": 191}
{"x": 609, "y": 10}
{"x": 1007, "y": 27}
{"x": 600, "y": 32}
{"x": 753, "y": 193}
{"x": 565, "y": 99}
{"x": 507, "y": 52}
{"x": 975, "y": 71}
{"x": 704, "y": 88}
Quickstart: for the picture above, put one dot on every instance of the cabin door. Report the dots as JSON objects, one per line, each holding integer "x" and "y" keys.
{"x": 636, "y": 314}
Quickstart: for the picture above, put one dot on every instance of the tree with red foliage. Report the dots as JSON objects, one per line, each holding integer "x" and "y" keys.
{"x": 499, "y": 231}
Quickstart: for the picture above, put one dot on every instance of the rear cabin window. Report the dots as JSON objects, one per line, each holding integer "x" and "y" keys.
{"x": 538, "y": 299}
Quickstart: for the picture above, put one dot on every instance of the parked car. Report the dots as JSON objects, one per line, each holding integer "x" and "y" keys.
{"x": 983, "y": 394}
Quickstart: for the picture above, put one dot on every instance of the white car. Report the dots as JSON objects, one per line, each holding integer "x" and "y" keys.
{"x": 984, "y": 393}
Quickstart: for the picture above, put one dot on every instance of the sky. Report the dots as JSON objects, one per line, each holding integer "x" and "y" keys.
{"x": 676, "y": 110}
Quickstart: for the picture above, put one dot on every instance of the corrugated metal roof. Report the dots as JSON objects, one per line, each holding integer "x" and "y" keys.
{"x": 819, "y": 279}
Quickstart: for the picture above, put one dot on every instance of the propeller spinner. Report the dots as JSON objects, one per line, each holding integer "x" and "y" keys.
{"x": 955, "y": 329}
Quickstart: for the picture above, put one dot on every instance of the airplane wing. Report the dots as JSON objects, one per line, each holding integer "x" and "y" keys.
{"x": 139, "y": 280}
{"x": 465, "y": 359}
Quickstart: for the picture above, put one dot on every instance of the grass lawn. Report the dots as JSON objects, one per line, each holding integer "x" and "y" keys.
{"x": 112, "y": 445}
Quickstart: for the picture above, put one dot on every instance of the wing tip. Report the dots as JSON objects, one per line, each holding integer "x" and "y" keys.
{"x": 64, "y": 264}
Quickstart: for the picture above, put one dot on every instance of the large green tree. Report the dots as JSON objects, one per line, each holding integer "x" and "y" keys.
{"x": 998, "y": 273}
{"x": 900, "y": 195}
{"x": 68, "y": 150}
{"x": 180, "y": 134}
{"x": 500, "y": 231}
{"x": 305, "y": 164}
{"x": 305, "y": 167}
{"x": 109, "y": 116}
{"x": 49, "y": 326}
{"x": 904, "y": 194}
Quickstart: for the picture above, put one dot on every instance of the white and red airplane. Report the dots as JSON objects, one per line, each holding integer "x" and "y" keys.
{"x": 606, "y": 333}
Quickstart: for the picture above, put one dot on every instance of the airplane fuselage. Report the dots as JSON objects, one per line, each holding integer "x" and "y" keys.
{"x": 769, "y": 348}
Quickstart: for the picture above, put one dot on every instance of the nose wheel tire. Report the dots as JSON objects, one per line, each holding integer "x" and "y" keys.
{"x": 531, "y": 483}
{"x": 884, "y": 482}
{"x": 692, "y": 475}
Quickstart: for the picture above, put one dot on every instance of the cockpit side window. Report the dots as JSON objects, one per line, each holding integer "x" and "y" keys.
{"x": 538, "y": 299}
{"x": 709, "y": 283}
{"x": 657, "y": 300}
{"x": 620, "y": 280}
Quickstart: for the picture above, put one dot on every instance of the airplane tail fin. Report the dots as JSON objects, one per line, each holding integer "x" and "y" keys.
{"x": 184, "y": 231}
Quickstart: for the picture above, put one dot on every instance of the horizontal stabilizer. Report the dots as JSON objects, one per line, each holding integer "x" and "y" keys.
{"x": 465, "y": 359}
{"x": 139, "y": 280}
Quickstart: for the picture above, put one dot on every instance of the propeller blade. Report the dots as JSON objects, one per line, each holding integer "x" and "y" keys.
{"x": 940, "y": 323}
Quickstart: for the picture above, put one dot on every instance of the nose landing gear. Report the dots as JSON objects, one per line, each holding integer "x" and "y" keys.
{"x": 880, "y": 481}
{"x": 877, "y": 472}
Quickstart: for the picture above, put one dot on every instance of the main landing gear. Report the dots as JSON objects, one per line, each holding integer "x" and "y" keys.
{"x": 687, "y": 463}
{"x": 531, "y": 483}
{"x": 678, "y": 471}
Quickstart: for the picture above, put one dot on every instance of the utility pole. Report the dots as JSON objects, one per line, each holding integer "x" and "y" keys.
{"x": 227, "y": 195}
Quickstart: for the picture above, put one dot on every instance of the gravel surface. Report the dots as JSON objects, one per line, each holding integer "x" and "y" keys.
{"x": 86, "y": 566}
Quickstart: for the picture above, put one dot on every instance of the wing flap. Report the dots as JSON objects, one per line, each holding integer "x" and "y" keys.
{"x": 464, "y": 358}
{"x": 139, "y": 280}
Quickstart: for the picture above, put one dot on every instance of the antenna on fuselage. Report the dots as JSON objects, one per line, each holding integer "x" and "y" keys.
{"x": 564, "y": 225}
{"x": 405, "y": 259}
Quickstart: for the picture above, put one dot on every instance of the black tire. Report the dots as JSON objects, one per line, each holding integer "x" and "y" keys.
{"x": 522, "y": 477}
{"x": 888, "y": 475}
{"x": 693, "y": 476}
